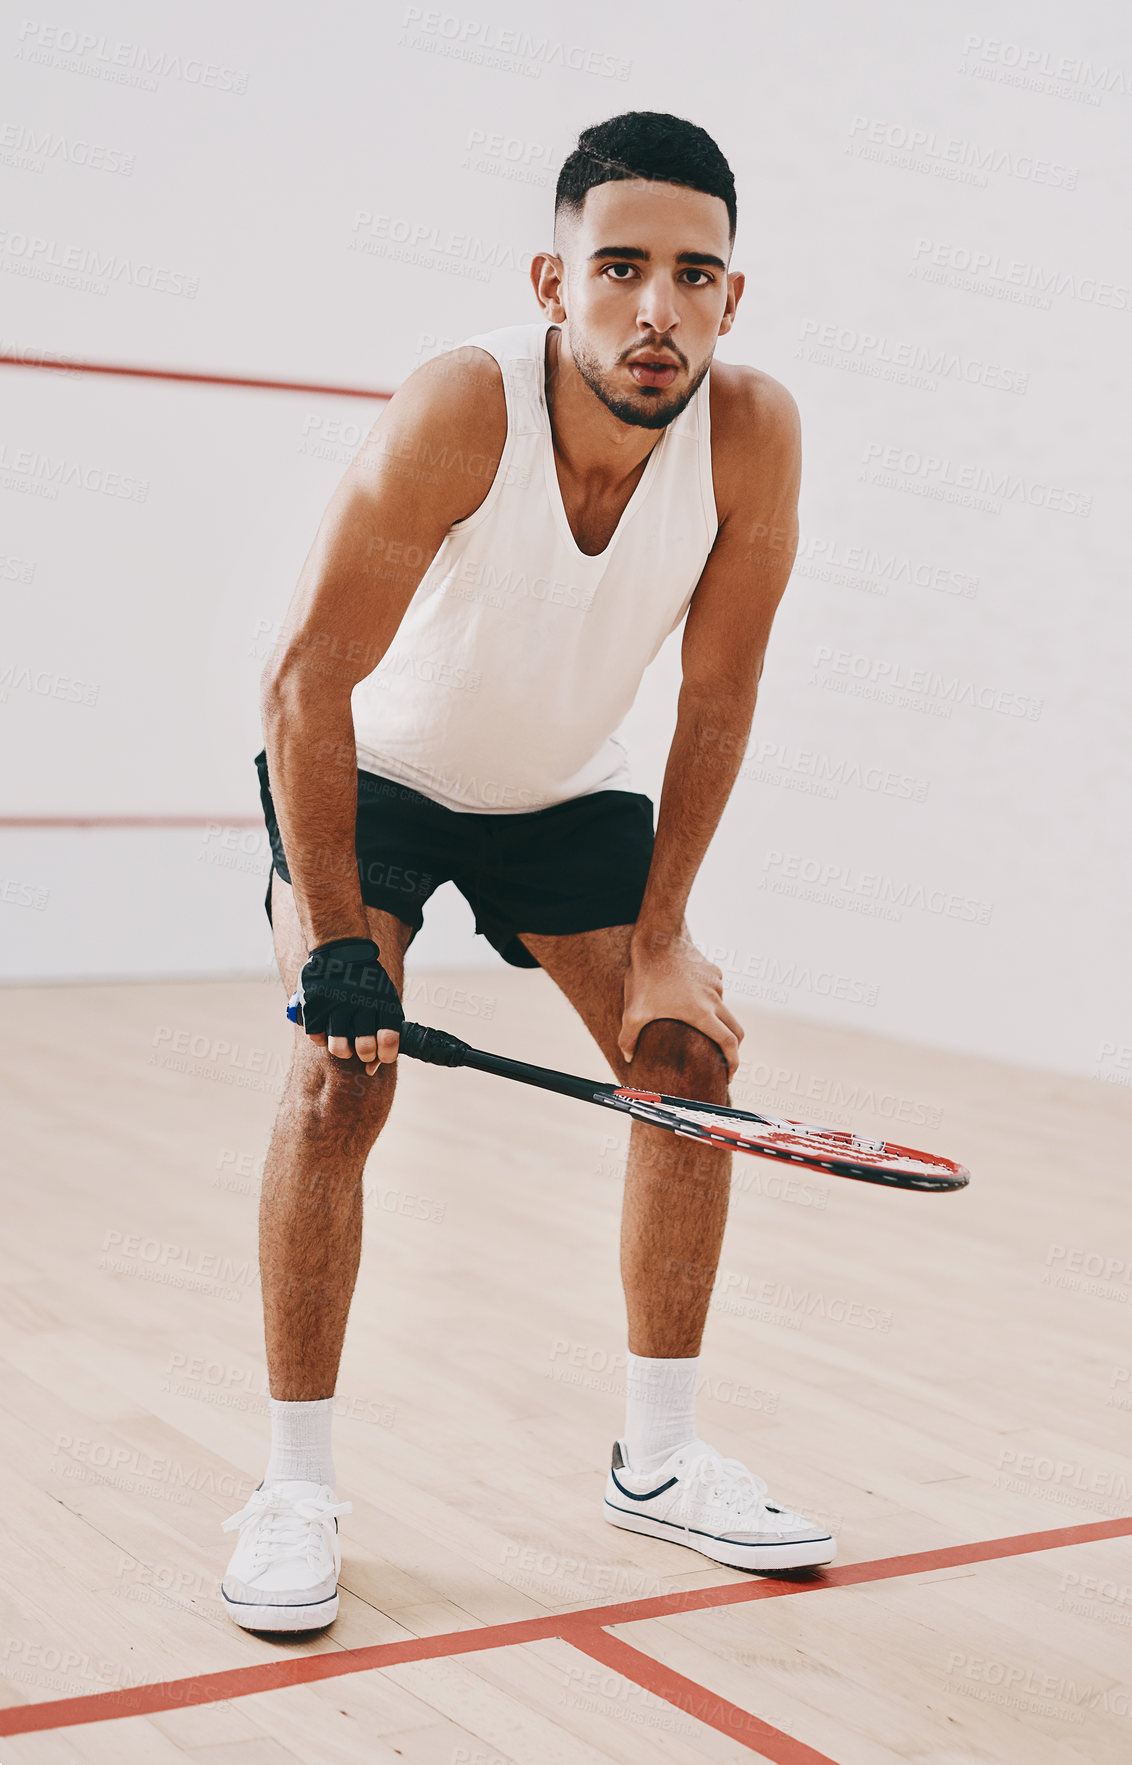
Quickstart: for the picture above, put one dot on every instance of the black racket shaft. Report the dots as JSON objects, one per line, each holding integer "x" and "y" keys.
{"x": 441, "y": 1049}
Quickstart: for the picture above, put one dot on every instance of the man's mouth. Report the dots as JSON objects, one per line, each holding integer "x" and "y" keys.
{"x": 653, "y": 370}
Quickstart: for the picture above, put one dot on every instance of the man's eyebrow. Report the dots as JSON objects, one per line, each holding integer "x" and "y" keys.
{"x": 638, "y": 255}
{"x": 701, "y": 257}
{"x": 633, "y": 251}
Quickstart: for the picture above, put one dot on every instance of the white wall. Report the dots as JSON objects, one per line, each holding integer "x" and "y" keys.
{"x": 243, "y": 187}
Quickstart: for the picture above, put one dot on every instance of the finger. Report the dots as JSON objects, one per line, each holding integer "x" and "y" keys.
{"x": 728, "y": 1044}
{"x": 365, "y": 1047}
{"x": 718, "y": 1030}
{"x": 340, "y": 1047}
{"x": 318, "y": 1037}
{"x": 388, "y": 1044}
{"x": 731, "y": 1021}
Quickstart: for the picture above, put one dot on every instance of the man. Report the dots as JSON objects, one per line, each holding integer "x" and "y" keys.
{"x": 530, "y": 517}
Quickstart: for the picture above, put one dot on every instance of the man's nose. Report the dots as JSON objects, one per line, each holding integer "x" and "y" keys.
{"x": 656, "y": 310}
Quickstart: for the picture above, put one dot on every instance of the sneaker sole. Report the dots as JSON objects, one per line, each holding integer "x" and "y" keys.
{"x": 282, "y": 1617}
{"x": 797, "y": 1554}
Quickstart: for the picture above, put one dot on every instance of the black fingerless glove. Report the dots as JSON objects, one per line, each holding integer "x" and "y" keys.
{"x": 344, "y": 991}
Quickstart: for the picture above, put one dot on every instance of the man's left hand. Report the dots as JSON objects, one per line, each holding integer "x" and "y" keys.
{"x": 668, "y": 977}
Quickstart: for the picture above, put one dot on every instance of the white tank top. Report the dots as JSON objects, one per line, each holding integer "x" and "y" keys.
{"x": 519, "y": 656}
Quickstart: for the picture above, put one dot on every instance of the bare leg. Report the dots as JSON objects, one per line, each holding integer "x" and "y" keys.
{"x": 310, "y": 1216}
{"x": 676, "y": 1190}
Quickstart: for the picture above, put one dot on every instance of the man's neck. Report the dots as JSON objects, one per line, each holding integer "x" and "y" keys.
{"x": 592, "y": 445}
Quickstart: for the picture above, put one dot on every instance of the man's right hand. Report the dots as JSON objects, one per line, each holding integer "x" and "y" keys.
{"x": 348, "y": 1004}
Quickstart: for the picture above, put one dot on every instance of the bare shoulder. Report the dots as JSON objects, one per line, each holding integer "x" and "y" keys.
{"x": 755, "y": 431}
{"x": 463, "y": 388}
{"x": 444, "y": 429}
{"x": 742, "y": 394}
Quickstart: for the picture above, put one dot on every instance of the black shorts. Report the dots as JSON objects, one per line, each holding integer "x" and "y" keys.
{"x": 570, "y": 868}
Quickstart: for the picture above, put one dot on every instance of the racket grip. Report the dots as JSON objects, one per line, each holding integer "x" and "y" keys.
{"x": 293, "y": 1007}
{"x": 435, "y": 1046}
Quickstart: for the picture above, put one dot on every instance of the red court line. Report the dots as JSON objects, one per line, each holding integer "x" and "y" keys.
{"x": 694, "y": 1700}
{"x": 953, "y": 1556}
{"x": 236, "y": 1682}
{"x": 64, "y": 365}
{"x": 131, "y": 820}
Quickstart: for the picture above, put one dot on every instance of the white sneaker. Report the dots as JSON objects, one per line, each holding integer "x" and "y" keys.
{"x": 715, "y": 1506}
{"x": 284, "y": 1570}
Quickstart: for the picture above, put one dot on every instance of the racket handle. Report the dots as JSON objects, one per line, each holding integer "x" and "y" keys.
{"x": 420, "y": 1043}
{"x": 435, "y": 1046}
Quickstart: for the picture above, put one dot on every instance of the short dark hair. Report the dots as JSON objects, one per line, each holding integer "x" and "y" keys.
{"x": 645, "y": 144}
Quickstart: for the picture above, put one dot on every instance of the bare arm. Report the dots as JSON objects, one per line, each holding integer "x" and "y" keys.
{"x": 386, "y": 522}
{"x": 725, "y": 638}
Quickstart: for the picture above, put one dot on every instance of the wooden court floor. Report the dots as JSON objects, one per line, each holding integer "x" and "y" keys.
{"x": 947, "y": 1380}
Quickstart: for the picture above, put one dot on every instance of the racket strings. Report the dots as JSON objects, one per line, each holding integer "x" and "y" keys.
{"x": 828, "y": 1147}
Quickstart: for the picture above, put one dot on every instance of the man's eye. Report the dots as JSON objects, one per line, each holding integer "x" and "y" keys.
{"x": 628, "y": 268}
{"x": 703, "y": 273}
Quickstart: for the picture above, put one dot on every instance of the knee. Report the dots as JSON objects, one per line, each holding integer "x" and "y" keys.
{"x": 335, "y": 1103}
{"x": 674, "y": 1058}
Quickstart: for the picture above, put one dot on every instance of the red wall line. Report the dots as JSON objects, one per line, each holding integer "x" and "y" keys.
{"x": 131, "y": 820}
{"x": 64, "y": 365}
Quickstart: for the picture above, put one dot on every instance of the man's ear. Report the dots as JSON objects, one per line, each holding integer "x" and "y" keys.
{"x": 735, "y": 286}
{"x": 548, "y": 279}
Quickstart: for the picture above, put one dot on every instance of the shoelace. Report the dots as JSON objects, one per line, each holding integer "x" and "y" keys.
{"x": 727, "y": 1480}
{"x": 283, "y": 1523}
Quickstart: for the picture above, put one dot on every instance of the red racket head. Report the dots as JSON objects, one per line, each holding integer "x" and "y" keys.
{"x": 841, "y": 1153}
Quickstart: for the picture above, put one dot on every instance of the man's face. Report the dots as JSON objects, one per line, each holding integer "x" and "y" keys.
{"x": 646, "y": 293}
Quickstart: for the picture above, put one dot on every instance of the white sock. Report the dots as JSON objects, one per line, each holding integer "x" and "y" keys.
{"x": 300, "y": 1442}
{"x": 660, "y": 1408}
